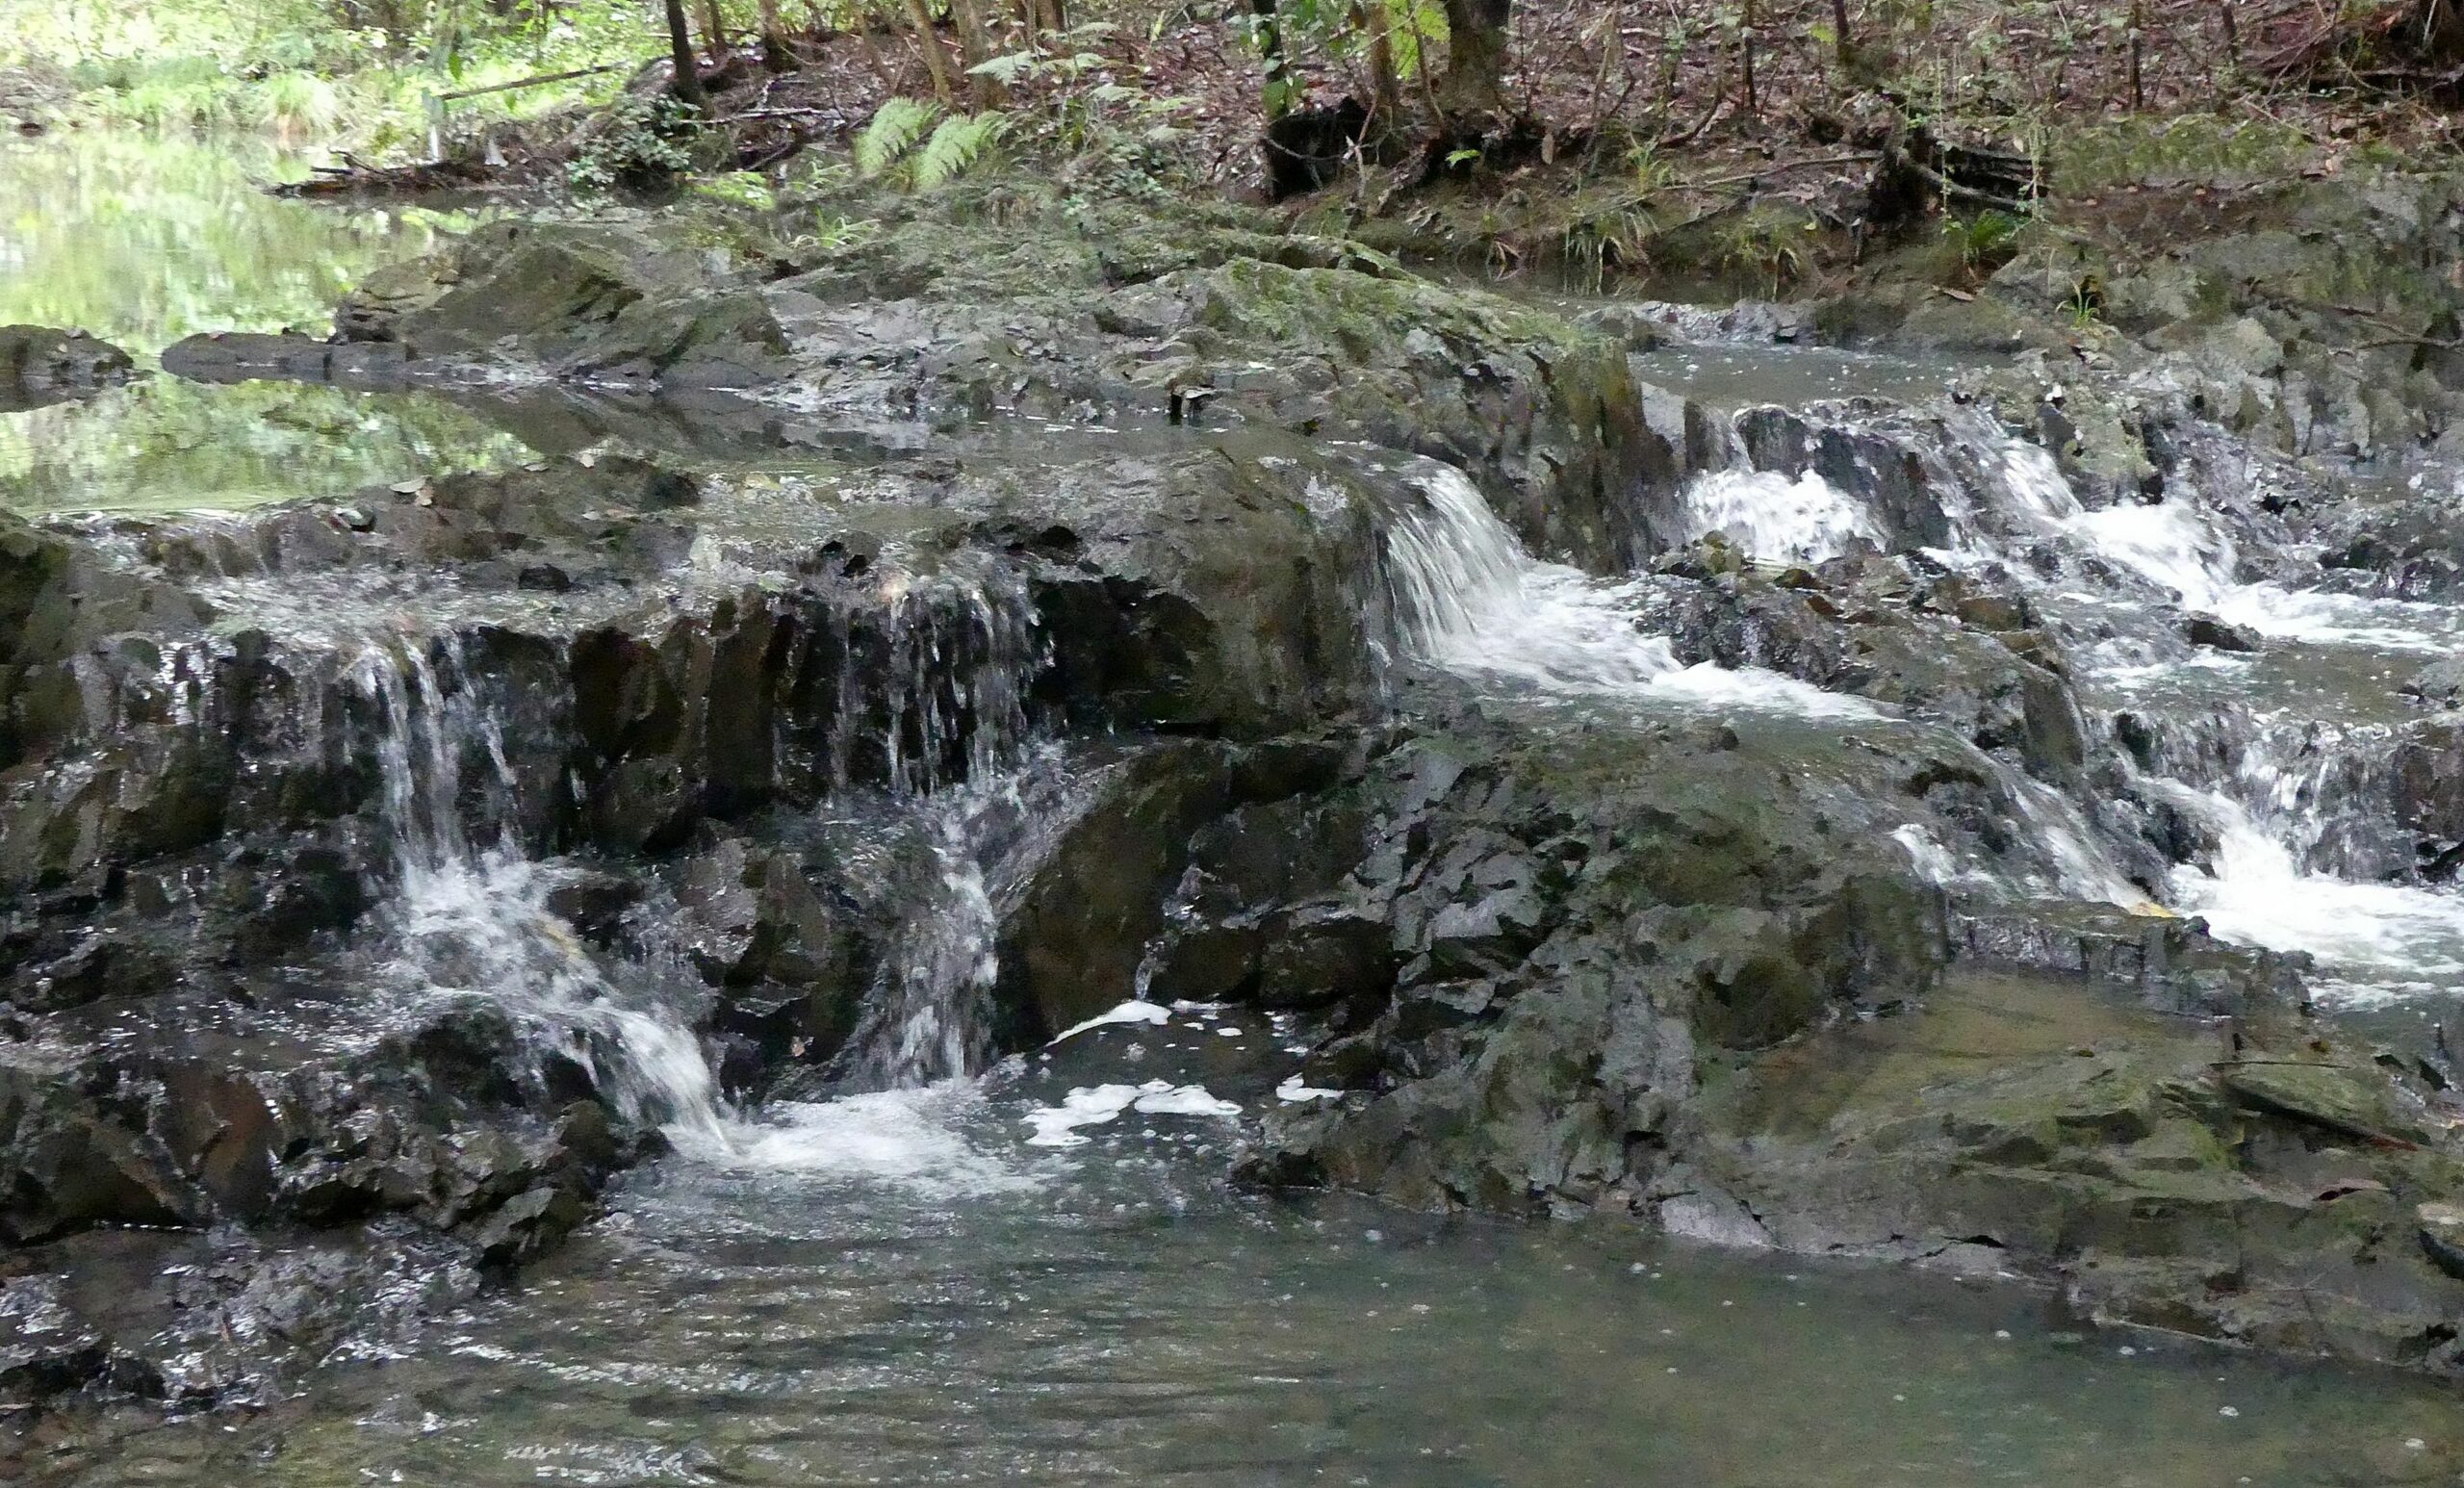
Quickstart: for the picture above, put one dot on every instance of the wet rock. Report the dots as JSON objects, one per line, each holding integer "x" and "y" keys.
{"x": 1072, "y": 949}
{"x": 598, "y": 302}
{"x": 2350, "y": 1102}
{"x": 1222, "y": 593}
{"x": 2220, "y": 634}
{"x": 527, "y": 1224}
{"x": 1324, "y": 954}
{"x": 2427, "y": 782}
{"x": 67, "y": 1166}
{"x": 2441, "y": 683}
{"x": 48, "y": 1350}
{"x": 790, "y": 969}
{"x": 241, "y": 356}
{"x": 2100, "y": 1146}
{"x": 2442, "y": 1234}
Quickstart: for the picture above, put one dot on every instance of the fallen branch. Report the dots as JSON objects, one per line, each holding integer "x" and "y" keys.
{"x": 355, "y": 176}
{"x": 537, "y": 81}
{"x": 1772, "y": 170}
{"x": 1953, "y": 191}
{"x": 749, "y": 113}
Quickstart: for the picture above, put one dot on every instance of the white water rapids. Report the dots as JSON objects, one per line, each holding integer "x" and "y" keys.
{"x": 1472, "y": 600}
{"x": 2374, "y": 941}
{"x": 475, "y": 919}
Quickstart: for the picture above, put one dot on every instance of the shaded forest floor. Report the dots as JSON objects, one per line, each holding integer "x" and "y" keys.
{"x": 1747, "y": 147}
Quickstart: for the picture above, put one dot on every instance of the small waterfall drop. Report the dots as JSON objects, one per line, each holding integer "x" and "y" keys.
{"x": 475, "y": 920}
{"x": 1778, "y": 519}
{"x": 1469, "y": 598}
{"x": 929, "y": 1015}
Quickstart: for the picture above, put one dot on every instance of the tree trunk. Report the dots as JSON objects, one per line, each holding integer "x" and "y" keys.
{"x": 975, "y": 48}
{"x": 1385, "y": 83}
{"x": 714, "y": 31}
{"x": 1745, "y": 47}
{"x": 936, "y": 61}
{"x": 687, "y": 86}
{"x": 775, "y": 55}
{"x": 1475, "y": 36}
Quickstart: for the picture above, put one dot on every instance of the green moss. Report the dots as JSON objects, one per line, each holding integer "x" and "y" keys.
{"x": 2105, "y": 156}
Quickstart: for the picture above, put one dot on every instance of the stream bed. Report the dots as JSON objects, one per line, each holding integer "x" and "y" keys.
{"x": 904, "y": 1288}
{"x": 1038, "y": 1273}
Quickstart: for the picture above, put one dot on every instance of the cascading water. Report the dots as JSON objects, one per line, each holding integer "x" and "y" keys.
{"x": 2275, "y": 784}
{"x": 929, "y": 1015}
{"x": 939, "y": 674}
{"x": 1804, "y": 519}
{"x": 1468, "y": 598}
{"x": 935, "y": 683}
{"x": 475, "y": 920}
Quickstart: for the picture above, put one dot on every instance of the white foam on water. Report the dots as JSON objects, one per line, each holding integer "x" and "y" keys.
{"x": 1059, "y": 1126}
{"x": 1470, "y": 599}
{"x": 2378, "y": 941}
{"x": 2170, "y": 544}
{"x": 2176, "y": 546}
{"x": 2341, "y": 620}
{"x": 1134, "y": 1011}
{"x": 1193, "y": 1101}
{"x": 1708, "y": 685}
{"x": 912, "y": 1138}
{"x": 1780, "y": 518}
{"x": 1297, "y": 1091}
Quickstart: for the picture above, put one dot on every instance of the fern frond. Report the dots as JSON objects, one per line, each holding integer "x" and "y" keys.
{"x": 895, "y": 128}
{"x": 956, "y": 145}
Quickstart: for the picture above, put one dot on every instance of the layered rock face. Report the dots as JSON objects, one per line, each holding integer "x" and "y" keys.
{"x": 1713, "y": 813}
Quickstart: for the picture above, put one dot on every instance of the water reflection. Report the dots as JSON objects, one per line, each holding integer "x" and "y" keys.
{"x": 167, "y": 445}
{"x": 1114, "y": 1314}
{"x": 145, "y": 237}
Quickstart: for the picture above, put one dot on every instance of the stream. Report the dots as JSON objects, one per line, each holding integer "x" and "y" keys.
{"x": 1036, "y": 1271}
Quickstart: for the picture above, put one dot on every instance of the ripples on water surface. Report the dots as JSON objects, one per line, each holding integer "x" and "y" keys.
{"x": 899, "y": 1289}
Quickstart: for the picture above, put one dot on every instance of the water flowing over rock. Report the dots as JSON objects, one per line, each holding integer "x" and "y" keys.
{"x": 1869, "y": 824}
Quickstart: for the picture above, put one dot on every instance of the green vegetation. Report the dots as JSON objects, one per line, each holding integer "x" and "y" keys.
{"x": 145, "y": 239}
{"x": 163, "y": 443}
{"x": 366, "y": 76}
{"x": 1704, "y": 139}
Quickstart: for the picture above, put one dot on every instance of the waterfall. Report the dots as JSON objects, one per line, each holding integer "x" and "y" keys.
{"x": 474, "y": 917}
{"x": 1778, "y": 519}
{"x": 2375, "y": 940}
{"x": 933, "y": 677}
{"x": 930, "y": 1014}
{"x": 927, "y": 705}
{"x": 1470, "y": 599}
